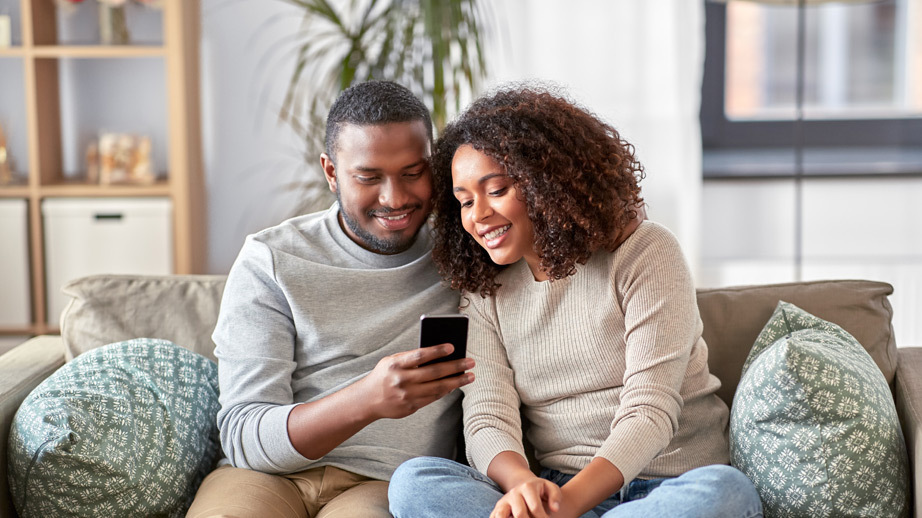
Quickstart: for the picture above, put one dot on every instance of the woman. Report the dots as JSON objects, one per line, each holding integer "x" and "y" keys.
{"x": 583, "y": 321}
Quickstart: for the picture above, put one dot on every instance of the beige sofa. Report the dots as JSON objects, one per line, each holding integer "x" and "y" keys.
{"x": 183, "y": 309}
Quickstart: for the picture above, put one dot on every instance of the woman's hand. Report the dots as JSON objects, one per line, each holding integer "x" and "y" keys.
{"x": 534, "y": 498}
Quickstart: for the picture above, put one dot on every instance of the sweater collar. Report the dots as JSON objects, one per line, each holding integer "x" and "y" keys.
{"x": 420, "y": 247}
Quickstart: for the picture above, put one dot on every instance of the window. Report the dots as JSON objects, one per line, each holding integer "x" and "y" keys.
{"x": 861, "y": 86}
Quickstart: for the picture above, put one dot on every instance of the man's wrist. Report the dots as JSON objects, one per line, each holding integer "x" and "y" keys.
{"x": 363, "y": 402}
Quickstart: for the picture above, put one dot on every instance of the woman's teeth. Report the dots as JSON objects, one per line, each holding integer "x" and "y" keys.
{"x": 493, "y": 234}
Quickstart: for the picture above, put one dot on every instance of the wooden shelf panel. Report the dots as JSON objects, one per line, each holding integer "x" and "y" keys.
{"x": 44, "y": 48}
{"x": 80, "y": 189}
{"x": 14, "y": 191}
{"x": 97, "y": 51}
{"x": 17, "y": 331}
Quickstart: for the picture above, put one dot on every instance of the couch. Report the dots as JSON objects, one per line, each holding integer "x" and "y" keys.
{"x": 183, "y": 309}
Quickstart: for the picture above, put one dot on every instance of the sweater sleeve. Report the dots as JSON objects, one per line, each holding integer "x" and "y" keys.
{"x": 661, "y": 327}
{"x": 255, "y": 340}
{"x": 492, "y": 423}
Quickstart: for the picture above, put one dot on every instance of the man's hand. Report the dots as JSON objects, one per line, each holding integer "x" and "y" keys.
{"x": 398, "y": 386}
{"x": 534, "y": 498}
{"x": 395, "y": 388}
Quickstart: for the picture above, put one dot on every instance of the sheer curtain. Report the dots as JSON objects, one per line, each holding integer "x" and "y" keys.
{"x": 635, "y": 63}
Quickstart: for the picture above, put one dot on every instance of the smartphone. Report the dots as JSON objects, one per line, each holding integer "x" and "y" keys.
{"x": 441, "y": 329}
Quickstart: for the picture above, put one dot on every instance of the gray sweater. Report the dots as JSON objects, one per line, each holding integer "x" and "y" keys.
{"x": 306, "y": 312}
{"x": 606, "y": 363}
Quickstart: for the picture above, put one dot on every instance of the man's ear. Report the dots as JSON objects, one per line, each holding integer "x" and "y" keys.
{"x": 329, "y": 170}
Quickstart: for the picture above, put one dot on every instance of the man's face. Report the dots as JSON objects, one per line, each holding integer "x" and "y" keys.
{"x": 382, "y": 181}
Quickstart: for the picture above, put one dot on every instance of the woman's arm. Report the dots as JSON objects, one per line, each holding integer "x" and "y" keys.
{"x": 657, "y": 297}
{"x": 590, "y": 487}
{"x": 492, "y": 423}
{"x": 527, "y": 495}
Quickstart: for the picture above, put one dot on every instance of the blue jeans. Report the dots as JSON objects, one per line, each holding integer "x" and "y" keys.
{"x": 441, "y": 488}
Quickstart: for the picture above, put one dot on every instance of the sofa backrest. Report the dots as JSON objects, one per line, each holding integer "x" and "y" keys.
{"x": 111, "y": 308}
{"x": 184, "y": 310}
{"x": 733, "y": 317}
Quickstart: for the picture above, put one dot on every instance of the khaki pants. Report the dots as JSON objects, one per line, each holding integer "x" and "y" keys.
{"x": 324, "y": 492}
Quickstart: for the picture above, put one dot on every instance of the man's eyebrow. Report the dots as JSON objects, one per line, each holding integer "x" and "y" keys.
{"x": 416, "y": 164}
{"x": 368, "y": 169}
{"x": 482, "y": 179}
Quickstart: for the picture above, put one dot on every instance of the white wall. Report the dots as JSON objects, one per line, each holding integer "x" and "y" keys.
{"x": 643, "y": 78}
{"x": 861, "y": 228}
{"x": 250, "y": 158}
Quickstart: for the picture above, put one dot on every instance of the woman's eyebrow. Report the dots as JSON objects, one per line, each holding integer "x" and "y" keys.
{"x": 482, "y": 179}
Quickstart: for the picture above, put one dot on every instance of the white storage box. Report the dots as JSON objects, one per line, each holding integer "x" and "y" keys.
{"x": 86, "y": 236}
{"x": 15, "y": 302}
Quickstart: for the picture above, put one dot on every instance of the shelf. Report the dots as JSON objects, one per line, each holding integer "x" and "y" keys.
{"x": 79, "y": 189}
{"x": 14, "y": 191}
{"x": 60, "y": 90}
{"x": 19, "y": 331}
{"x": 98, "y": 51}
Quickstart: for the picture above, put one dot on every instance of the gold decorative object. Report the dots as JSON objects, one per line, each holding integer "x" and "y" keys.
{"x": 113, "y": 26}
{"x": 120, "y": 158}
{"x": 6, "y": 174}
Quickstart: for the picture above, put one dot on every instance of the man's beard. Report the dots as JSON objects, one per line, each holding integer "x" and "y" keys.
{"x": 370, "y": 241}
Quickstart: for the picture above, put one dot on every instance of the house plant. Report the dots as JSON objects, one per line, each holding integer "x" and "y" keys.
{"x": 434, "y": 47}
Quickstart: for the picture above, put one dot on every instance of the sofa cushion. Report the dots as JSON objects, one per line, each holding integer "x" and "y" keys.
{"x": 124, "y": 430}
{"x": 111, "y": 308}
{"x": 733, "y": 318}
{"x": 814, "y": 425}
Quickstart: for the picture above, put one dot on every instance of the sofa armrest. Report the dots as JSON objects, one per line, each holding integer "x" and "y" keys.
{"x": 21, "y": 370}
{"x": 908, "y": 386}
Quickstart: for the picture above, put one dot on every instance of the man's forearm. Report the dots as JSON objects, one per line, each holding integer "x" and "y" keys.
{"x": 395, "y": 388}
{"x": 317, "y": 427}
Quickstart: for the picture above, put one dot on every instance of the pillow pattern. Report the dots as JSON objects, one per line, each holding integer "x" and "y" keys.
{"x": 814, "y": 426}
{"x": 128, "y": 429}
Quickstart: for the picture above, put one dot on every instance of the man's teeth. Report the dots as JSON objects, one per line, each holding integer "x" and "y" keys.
{"x": 493, "y": 234}
{"x": 395, "y": 218}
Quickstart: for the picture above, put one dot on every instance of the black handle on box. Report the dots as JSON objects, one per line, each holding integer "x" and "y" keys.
{"x": 107, "y": 217}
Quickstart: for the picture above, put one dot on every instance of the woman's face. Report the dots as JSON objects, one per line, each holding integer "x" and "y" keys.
{"x": 491, "y": 210}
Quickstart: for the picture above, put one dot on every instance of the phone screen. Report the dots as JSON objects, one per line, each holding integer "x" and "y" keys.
{"x": 440, "y": 329}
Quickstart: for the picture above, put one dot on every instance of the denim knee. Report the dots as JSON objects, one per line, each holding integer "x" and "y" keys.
{"x": 432, "y": 486}
{"x": 417, "y": 467}
{"x": 738, "y": 495}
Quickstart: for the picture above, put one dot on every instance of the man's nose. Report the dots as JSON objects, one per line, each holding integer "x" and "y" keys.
{"x": 393, "y": 195}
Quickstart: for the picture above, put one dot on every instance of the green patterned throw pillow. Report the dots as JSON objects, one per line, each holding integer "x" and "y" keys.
{"x": 814, "y": 426}
{"x": 127, "y": 429}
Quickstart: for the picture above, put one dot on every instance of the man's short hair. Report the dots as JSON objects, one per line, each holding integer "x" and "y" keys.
{"x": 373, "y": 103}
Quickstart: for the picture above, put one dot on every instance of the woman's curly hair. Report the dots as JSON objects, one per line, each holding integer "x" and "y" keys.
{"x": 578, "y": 177}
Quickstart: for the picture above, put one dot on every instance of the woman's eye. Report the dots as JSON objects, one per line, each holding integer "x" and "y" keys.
{"x": 499, "y": 192}
{"x": 466, "y": 203}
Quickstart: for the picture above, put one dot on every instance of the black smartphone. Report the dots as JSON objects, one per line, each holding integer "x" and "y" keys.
{"x": 441, "y": 329}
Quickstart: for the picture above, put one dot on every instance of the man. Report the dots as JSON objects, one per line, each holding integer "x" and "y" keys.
{"x": 322, "y": 393}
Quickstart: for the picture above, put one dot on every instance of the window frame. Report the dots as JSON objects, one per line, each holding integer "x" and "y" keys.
{"x": 719, "y": 133}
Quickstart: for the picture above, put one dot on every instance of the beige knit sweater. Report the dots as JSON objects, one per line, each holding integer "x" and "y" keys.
{"x": 608, "y": 362}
